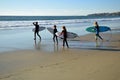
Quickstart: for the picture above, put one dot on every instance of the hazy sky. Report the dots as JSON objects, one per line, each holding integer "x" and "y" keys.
{"x": 57, "y": 7}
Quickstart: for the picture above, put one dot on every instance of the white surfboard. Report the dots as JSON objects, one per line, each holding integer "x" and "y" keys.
{"x": 59, "y": 34}
{"x": 69, "y": 34}
{"x": 50, "y": 30}
{"x": 40, "y": 29}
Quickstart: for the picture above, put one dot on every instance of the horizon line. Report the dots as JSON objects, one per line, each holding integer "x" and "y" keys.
{"x": 58, "y": 15}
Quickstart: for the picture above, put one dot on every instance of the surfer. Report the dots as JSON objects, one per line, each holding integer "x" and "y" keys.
{"x": 97, "y": 32}
{"x": 36, "y": 30}
{"x": 64, "y": 33}
{"x": 54, "y": 35}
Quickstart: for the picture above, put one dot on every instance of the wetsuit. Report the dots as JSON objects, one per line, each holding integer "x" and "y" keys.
{"x": 64, "y": 32}
{"x": 97, "y": 32}
{"x": 55, "y": 36}
{"x": 36, "y": 31}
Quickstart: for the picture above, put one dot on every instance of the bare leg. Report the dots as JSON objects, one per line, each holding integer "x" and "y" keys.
{"x": 96, "y": 40}
{"x": 96, "y": 43}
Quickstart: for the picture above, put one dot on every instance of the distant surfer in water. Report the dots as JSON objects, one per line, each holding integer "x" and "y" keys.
{"x": 54, "y": 35}
{"x": 64, "y": 33}
{"x": 97, "y": 32}
{"x": 36, "y": 30}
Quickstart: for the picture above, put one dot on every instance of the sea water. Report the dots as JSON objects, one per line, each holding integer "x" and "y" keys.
{"x": 73, "y": 25}
{"x": 16, "y": 32}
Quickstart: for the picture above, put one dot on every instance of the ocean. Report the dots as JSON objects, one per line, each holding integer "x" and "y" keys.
{"x": 75, "y": 24}
{"x": 16, "y": 30}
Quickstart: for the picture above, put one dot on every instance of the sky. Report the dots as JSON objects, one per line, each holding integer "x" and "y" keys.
{"x": 57, "y": 7}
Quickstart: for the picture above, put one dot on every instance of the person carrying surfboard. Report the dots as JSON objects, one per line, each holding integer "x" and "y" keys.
{"x": 36, "y": 30}
{"x": 97, "y": 32}
{"x": 64, "y": 33}
{"x": 54, "y": 35}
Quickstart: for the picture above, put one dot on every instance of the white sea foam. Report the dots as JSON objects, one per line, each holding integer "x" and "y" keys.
{"x": 28, "y": 24}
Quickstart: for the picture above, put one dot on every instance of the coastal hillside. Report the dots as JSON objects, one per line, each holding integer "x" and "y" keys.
{"x": 89, "y": 16}
{"x": 114, "y": 14}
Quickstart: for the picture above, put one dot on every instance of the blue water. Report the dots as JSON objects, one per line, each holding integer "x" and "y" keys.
{"x": 26, "y": 18}
{"x": 73, "y": 23}
{"x": 16, "y": 32}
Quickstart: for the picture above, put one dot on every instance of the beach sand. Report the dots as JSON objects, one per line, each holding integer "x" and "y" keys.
{"x": 65, "y": 64}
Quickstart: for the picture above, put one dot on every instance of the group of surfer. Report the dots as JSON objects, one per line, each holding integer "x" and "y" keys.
{"x": 64, "y": 33}
{"x": 55, "y": 37}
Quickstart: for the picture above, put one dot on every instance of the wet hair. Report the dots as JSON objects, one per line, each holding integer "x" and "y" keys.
{"x": 64, "y": 28}
{"x": 54, "y": 26}
{"x": 96, "y": 24}
{"x": 36, "y": 22}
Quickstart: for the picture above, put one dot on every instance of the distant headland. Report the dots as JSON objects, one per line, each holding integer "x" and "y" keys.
{"x": 89, "y": 16}
{"x": 114, "y": 14}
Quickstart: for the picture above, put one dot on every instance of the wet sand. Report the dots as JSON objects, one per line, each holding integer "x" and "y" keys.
{"x": 82, "y": 61}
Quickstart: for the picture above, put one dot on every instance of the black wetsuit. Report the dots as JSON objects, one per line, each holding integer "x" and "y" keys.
{"x": 55, "y": 36}
{"x": 36, "y": 28}
{"x": 37, "y": 31}
{"x": 97, "y": 32}
{"x": 65, "y": 38}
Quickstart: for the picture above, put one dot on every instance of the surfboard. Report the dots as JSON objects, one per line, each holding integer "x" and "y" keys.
{"x": 40, "y": 29}
{"x": 58, "y": 34}
{"x": 50, "y": 30}
{"x": 69, "y": 34}
{"x": 101, "y": 28}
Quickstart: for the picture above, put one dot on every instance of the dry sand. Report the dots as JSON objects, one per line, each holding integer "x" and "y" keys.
{"x": 66, "y": 64}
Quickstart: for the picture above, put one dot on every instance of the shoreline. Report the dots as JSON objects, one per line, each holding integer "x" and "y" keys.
{"x": 77, "y": 62}
{"x": 87, "y": 41}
